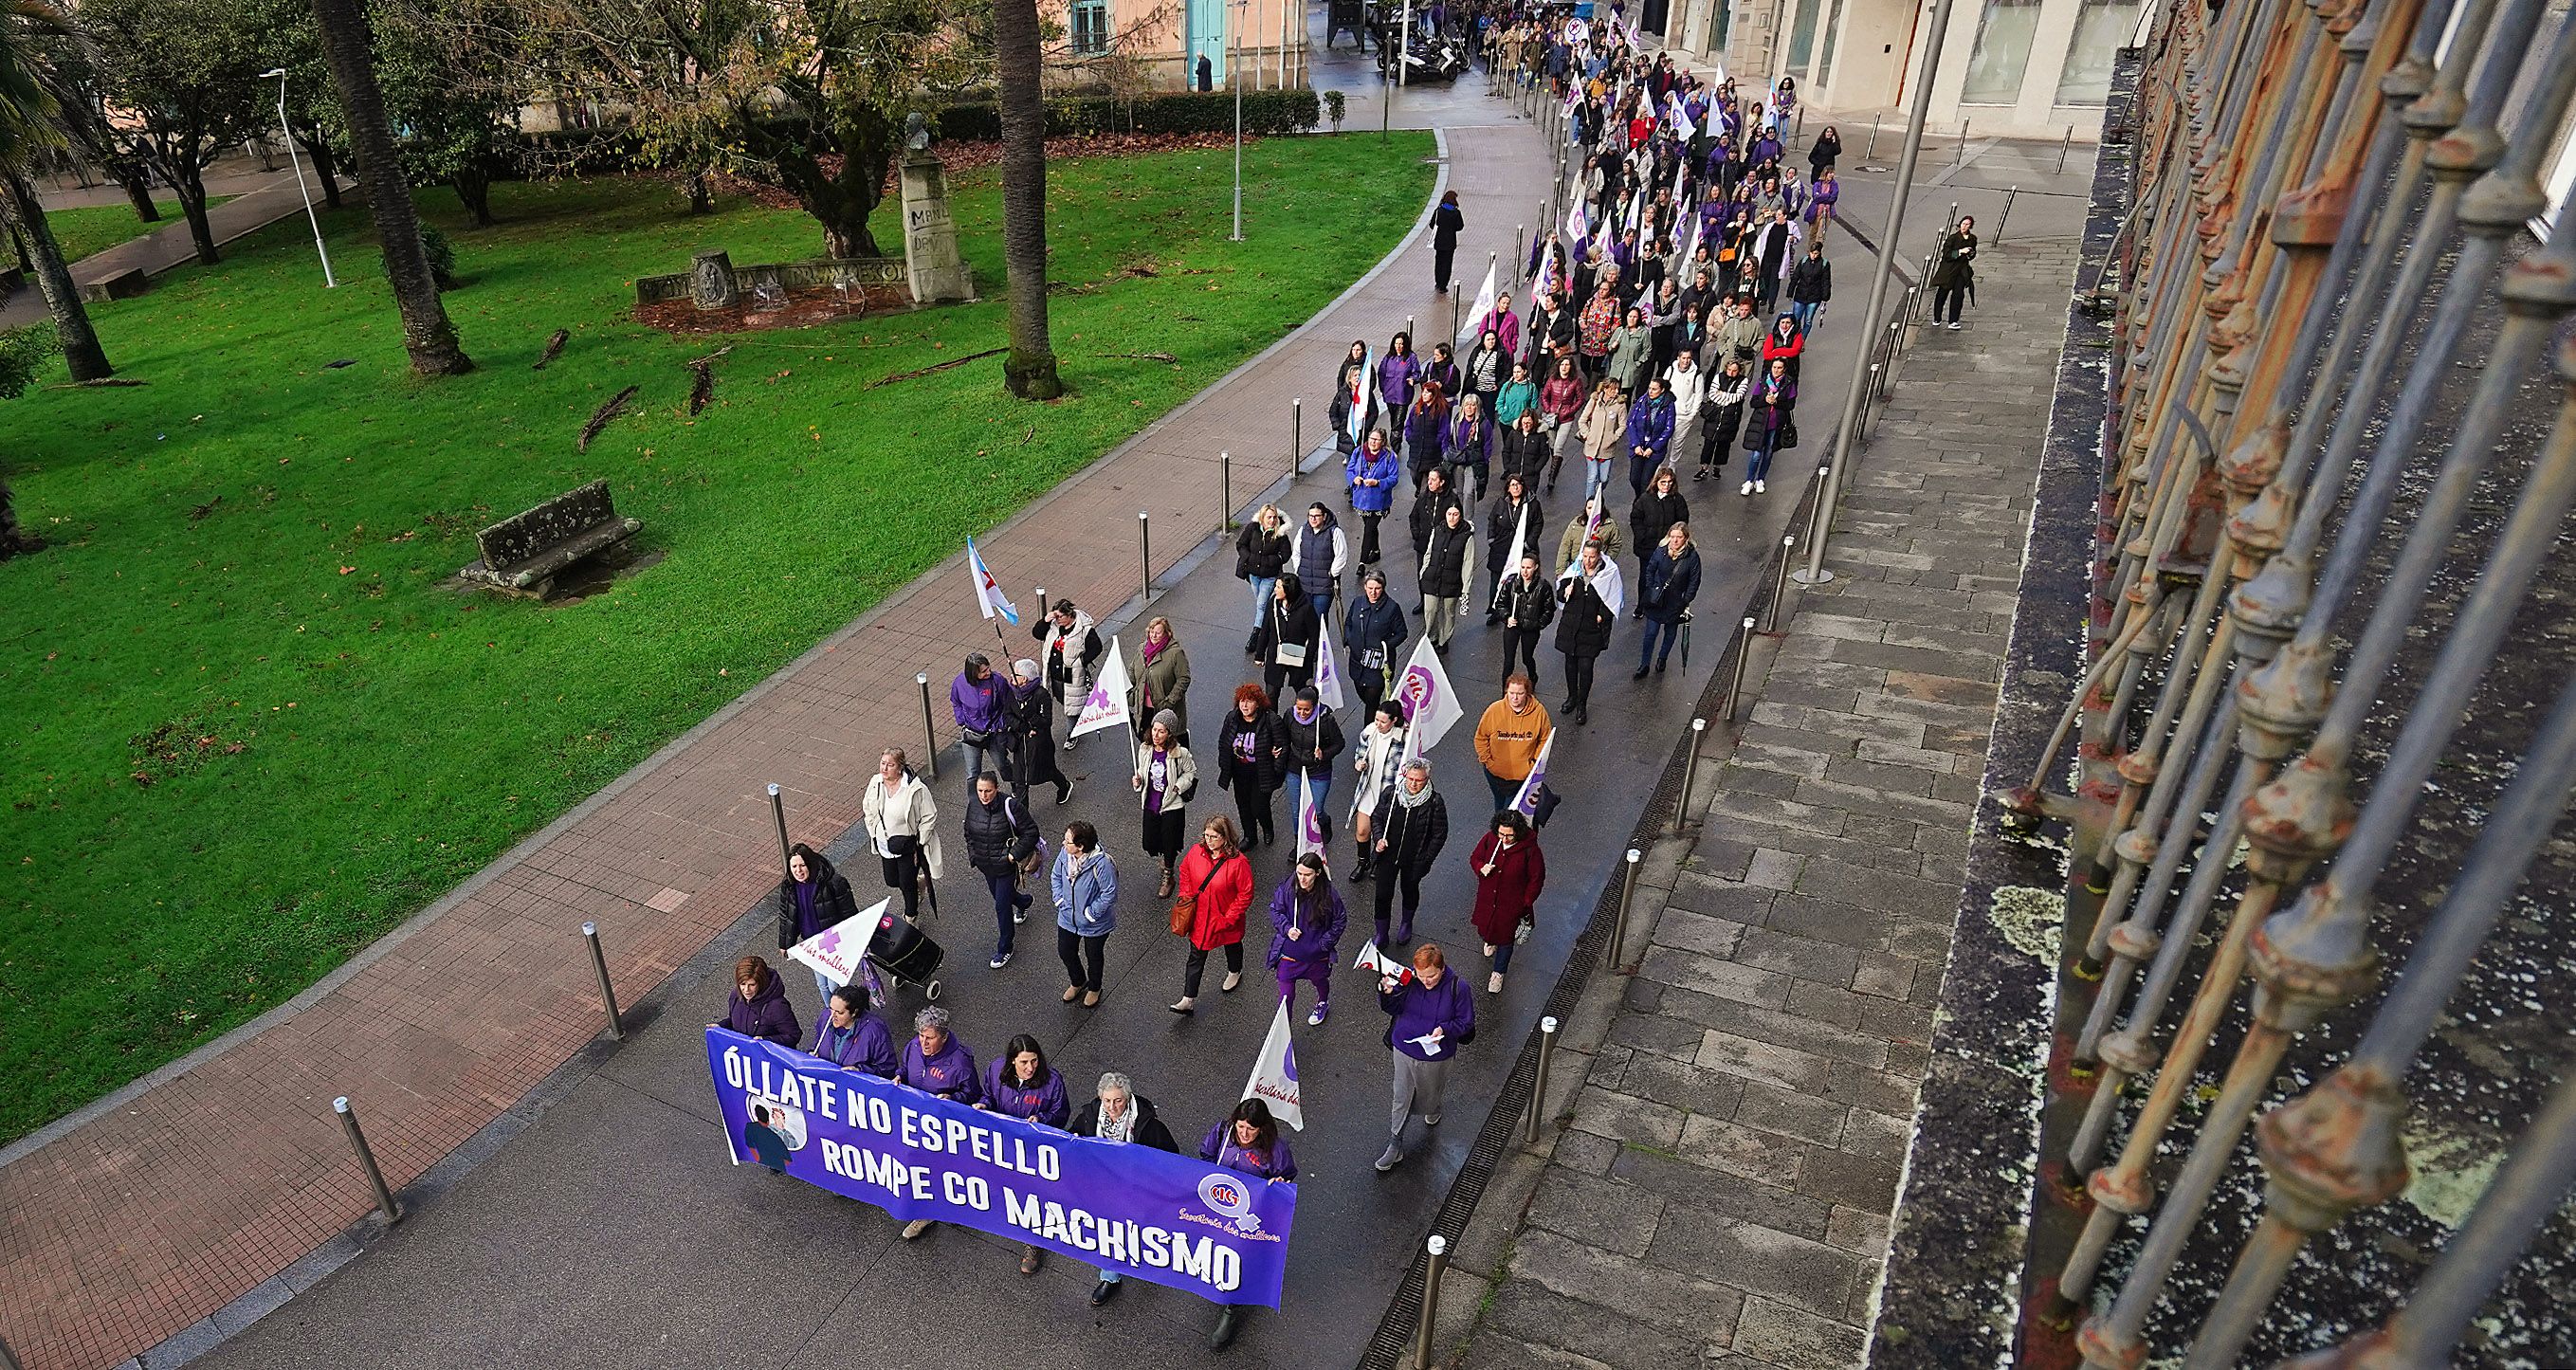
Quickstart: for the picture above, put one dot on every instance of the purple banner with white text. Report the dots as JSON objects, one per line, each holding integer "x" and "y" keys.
{"x": 1173, "y": 1220}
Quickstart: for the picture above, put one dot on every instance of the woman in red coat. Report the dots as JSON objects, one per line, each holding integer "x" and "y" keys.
{"x": 1215, "y": 882}
{"x": 1510, "y": 871}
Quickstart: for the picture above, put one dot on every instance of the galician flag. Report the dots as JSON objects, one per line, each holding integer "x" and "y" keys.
{"x": 1482, "y": 309}
{"x": 835, "y": 951}
{"x": 1356, "y": 423}
{"x": 1106, "y": 705}
{"x": 1274, "y": 1074}
{"x": 1328, "y": 675}
{"x": 1430, "y": 705}
{"x": 988, "y": 591}
{"x": 1527, "y": 800}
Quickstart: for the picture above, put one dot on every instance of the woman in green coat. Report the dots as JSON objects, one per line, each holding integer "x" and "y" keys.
{"x": 1631, "y": 346}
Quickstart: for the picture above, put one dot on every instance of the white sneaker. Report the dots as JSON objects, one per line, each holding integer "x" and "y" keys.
{"x": 1746, "y": 489}
{"x": 1761, "y": 487}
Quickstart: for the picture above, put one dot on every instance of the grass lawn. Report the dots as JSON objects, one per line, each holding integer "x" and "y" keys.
{"x": 96, "y": 228}
{"x": 242, "y": 597}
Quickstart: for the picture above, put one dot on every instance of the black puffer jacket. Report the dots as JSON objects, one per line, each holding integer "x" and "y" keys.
{"x": 1413, "y": 836}
{"x": 999, "y": 835}
{"x": 1265, "y": 768}
{"x": 833, "y": 905}
{"x": 1259, "y": 554}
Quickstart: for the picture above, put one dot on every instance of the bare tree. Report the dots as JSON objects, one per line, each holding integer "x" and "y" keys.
{"x": 1030, "y": 370}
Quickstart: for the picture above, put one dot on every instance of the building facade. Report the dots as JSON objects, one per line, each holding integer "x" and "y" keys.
{"x": 1159, "y": 44}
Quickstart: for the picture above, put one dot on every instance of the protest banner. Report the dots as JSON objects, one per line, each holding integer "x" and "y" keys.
{"x": 1146, "y": 1214}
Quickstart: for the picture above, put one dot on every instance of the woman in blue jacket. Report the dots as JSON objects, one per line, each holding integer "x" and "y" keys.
{"x": 1086, "y": 909}
{"x": 1373, "y": 473}
{"x": 1664, "y": 594}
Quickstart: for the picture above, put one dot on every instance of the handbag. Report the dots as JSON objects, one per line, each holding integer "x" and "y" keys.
{"x": 974, "y": 737}
{"x": 1185, "y": 910}
{"x": 1788, "y": 436}
{"x": 1291, "y": 654}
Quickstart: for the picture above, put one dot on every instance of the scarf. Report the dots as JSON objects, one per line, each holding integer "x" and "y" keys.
{"x": 1154, "y": 649}
{"x": 1413, "y": 800}
{"x": 1120, "y": 1129}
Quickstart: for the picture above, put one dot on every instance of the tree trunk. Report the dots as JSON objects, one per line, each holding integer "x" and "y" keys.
{"x": 326, "y": 167}
{"x": 702, "y": 193}
{"x": 87, "y": 359}
{"x": 1030, "y": 370}
{"x": 201, "y": 230}
{"x": 475, "y": 190}
{"x": 427, "y": 333}
{"x": 138, "y": 190}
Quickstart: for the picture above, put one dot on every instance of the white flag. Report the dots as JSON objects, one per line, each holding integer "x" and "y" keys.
{"x": 988, "y": 591}
{"x": 1527, "y": 800}
{"x": 1483, "y": 307}
{"x": 1310, "y": 821}
{"x": 1274, "y": 1074}
{"x": 1371, "y": 959}
{"x": 1106, "y": 705}
{"x": 1430, "y": 706}
{"x": 1328, "y": 674}
{"x": 1578, "y": 225}
{"x": 1612, "y": 587}
{"x": 835, "y": 951}
{"x": 1520, "y": 545}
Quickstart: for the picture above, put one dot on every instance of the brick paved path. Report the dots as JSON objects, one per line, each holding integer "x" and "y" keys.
{"x": 137, "y": 1219}
{"x": 1740, "y": 1107}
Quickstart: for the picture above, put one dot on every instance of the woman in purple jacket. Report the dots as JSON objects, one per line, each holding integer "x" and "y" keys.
{"x": 758, "y": 1006}
{"x": 935, "y": 1062}
{"x": 1306, "y": 922}
{"x": 853, "y": 1038}
{"x": 1431, "y": 1016}
{"x": 1396, "y": 373}
{"x": 1022, "y": 1084}
{"x": 1247, "y": 1142}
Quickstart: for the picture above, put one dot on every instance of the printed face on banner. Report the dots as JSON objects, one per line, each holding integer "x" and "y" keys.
{"x": 1153, "y": 1215}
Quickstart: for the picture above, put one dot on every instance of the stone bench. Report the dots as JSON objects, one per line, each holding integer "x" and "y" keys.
{"x": 117, "y": 285}
{"x": 522, "y": 554}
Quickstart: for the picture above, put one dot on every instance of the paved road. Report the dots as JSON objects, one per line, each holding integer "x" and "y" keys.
{"x": 257, "y": 204}
{"x": 611, "y": 1230}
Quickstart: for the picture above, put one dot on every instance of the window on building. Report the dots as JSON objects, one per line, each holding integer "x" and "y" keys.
{"x": 1721, "y": 13}
{"x": 1802, "y": 35}
{"x": 2101, "y": 28}
{"x": 1825, "y": 63}
{"x": 1090, "y": 27}
{"x": 2002, "y": 53}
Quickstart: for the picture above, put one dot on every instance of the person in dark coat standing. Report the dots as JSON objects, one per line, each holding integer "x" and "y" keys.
{"x": 1286, "y": 642}
{"x": 1260, "y": 558}
{"x": 1122, "y": 1117}
{"x": 1956, "y": 277}
{"x": 1657, "y": 509}
{"x": 1252, "y": 754}
{"x": 1429, "y": 508}
{"x": 1447, "y": 574}
{"x": 1031, "y": 761}
{"x": 853, "y": 1038}
{"x": 1318, "y": 553}
{"x": 812, "y": 897}
{"x": 1411, "y": 825}
{"x": 1001, "y": 844}
{"x": 1811, "y": 287}
{"x": 1314, "y": 742}
{"x": 1430, "y": 1015}
{"x": 1583, "y": 623}
{"x": 1371, "y": 632}
{"x": 1306, "y": 922}
{"x": 1527, "y": 603}
{"x": 758, "y": 1006}
{"x": 1510, "y": 872}
{"x": 1664, "y": 594}
{"x": 1503, "y": 526}
{"x": 1446, "y": 224}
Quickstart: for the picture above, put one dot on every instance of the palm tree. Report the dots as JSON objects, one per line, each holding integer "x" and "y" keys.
{"x": 427, "y": 333}
{"x": 1030, "y": 369}
{"x": 26, "y": 125}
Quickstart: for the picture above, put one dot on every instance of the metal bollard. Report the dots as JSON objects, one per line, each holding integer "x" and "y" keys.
{"x": 929, "y": 730}
{"x": 1946, "y": 225}
{"x": 1735, "y": 680}
{"x": 2063, "y": 144}
{"x": 367, "y": 1161}
{"x": 1144, "y": 558}
{"x": 1225, "y": 492}
{"x": 1410, "y": 335}
{"x": 1619, "y": 921}
{"x": 2004, "y": 218}
{"x": 1439, "y": 1248}
{"x": 1870, "y": 153}
{"x": 1296, "y": 437}
{"x": 1690, "y": 773}
{"x": 778, "y": 812}
{"x": 607, "y": 991}
{"x": 1520, "y": 245}
{"x": 1538, "y": 1088}
{"x": 9, "y": 1358}
{"x": 1779, "y": 585}
{"x": 1815, "y": 525}
{"x": 1963, "y": 144}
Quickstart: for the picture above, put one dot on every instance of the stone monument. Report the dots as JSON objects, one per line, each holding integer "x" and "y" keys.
{"x": 711, "y": 281}
{"x": 936, "y": 272}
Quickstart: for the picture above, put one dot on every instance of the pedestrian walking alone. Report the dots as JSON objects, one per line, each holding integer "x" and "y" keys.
{"x": 1955, "y": 279}
{"x": 1446, "y": 224}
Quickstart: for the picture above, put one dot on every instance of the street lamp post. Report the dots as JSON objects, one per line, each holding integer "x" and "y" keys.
{"x": 328, "y": 282}
{"x": 1234, "y": 78}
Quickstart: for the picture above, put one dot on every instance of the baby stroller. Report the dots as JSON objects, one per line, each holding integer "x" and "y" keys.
{"x": 901, "y": 953}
